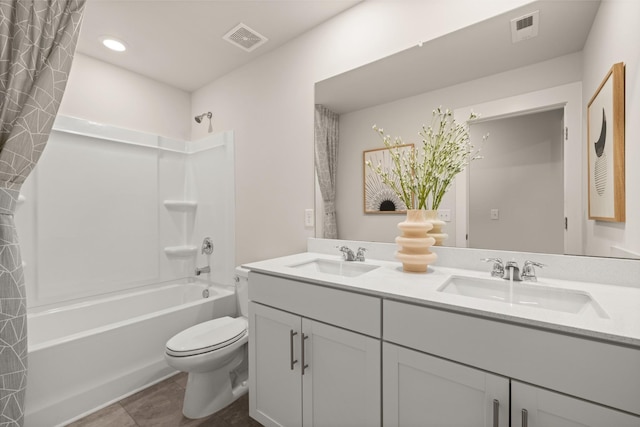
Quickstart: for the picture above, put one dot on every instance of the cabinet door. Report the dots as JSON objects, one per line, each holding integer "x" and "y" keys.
{"x": 341, "y": 385}
{"x": 422, "y": 390}
{"x": 548, "y": 409}
{"x": 275, "y": 385}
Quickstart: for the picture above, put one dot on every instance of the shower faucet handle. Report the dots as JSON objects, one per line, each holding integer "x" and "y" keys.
{"x": 207, "y": 246}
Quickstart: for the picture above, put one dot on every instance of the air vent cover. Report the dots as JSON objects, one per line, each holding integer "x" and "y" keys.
{"x": 245, "y": 38}
{"x": 524, "y": 27}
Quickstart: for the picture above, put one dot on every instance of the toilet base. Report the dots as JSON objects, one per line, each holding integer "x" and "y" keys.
{"x": 209, "y": 392}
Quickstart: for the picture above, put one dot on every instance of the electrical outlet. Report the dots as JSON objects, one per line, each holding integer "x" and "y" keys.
{"x": 495, "y": 214}
{"x": 308, "y": 218}
{"x": 444, "y": 215}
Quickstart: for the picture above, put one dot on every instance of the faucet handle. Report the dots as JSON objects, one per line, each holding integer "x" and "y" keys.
{"x": 360, "y": 254}
{"x": 529, "y": 271}
{"x": 207, "y": 246}
{"x": 498, "y": 267}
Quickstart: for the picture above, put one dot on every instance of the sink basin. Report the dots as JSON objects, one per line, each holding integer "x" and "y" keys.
{"x": 338, "y": 268}
{"x": 526, "y": 294}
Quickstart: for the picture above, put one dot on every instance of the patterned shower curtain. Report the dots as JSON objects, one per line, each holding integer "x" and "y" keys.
{"x": 326, "y": 160}
{"x": 37, "y": 43}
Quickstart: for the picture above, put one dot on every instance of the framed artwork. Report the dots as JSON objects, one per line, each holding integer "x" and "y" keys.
{"x": 605, "y": 148}
{"x": 379, "y": 198}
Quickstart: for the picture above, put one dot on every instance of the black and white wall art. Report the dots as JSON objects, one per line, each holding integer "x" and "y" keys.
{"x": 605, "y": 148}
{"x": 378, "y": 196}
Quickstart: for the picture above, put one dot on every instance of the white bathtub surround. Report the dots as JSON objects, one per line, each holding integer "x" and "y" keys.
{"x": 136, "y": 207}
{"x": 87, "y": 355}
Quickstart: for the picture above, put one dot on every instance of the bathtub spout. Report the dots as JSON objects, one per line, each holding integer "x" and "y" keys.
{"x": 206, "y": 269}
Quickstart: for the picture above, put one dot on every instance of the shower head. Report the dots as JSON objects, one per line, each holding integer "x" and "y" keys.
{"x": 202, "y": 116}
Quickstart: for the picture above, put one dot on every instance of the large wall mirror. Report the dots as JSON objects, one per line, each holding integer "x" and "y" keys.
{"x": 529, "y": 94}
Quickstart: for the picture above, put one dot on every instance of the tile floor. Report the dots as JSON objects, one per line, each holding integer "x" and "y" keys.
{"x": 161, "y": 406}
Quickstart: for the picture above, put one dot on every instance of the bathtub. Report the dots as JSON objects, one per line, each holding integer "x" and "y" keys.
{"x": 89, "y": 354}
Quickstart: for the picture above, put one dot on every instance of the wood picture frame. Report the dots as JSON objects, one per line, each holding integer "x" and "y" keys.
{"x": 378, "y": 197}
{"x": 605, "y": 148}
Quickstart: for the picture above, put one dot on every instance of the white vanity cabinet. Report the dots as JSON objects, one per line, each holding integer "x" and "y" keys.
{"x": 314, "y": 355}
{"x": 536, "y": 407}
{"x": 425, "y": 391}
{"x": 594, "y": 383}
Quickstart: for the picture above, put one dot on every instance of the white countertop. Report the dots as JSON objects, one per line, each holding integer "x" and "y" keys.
{"x": 621, "y": 303}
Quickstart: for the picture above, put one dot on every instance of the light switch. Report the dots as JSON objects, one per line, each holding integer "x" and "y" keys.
{"x": 308, "y": 218}
{"x": 495, "y": 214}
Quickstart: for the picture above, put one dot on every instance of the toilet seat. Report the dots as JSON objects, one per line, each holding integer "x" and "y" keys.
{"x": 207, "y": 336}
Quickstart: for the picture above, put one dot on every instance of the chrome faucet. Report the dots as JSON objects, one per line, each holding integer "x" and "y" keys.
{"x": 207, "y": 248}
{"x": 347, "y": 253}
{"x": 504, "y": 270}
{"x": 512, "y": 266}
{"x": 350, "y": 256}
{"x": 200, "y": 270}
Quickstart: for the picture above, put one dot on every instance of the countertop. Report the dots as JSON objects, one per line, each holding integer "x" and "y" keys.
{"x": 621, "y": 304}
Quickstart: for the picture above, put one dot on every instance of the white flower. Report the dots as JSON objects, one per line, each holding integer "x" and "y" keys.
{"x": 422, "y": 176}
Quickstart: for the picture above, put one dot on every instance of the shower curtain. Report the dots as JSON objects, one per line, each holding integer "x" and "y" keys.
{"x": 326, "y": 161}
{"x": 37, "y": 43}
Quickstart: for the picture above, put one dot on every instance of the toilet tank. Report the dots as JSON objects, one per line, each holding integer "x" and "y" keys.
{"x": 242, "y": 291}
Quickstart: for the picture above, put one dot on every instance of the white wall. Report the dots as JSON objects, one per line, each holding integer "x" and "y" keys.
{"x": 405, "y": 117}
{"x": 110, "y": 95}
{"x": 269, "y": 105}
{"x": 209, "y": 181}
{"x": 614, "y": 38}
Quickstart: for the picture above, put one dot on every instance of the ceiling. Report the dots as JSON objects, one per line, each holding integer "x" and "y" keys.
{"x": 471, "y": 53}
{"x": 179, "y": 42}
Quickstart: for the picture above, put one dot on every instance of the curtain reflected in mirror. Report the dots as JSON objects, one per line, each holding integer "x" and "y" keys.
{"x": 327, "y": 136}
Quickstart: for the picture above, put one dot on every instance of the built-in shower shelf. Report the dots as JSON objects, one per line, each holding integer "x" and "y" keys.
{"x": 181, "y": 205}
{"x": 180, "y": 251}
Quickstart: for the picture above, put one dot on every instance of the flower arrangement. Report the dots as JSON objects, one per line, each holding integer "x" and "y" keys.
{"x": 421, "y": 177}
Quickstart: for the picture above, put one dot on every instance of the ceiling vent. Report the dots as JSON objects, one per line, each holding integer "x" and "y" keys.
{"x": 525, "y": 27}
{"x": 245, "y": 38}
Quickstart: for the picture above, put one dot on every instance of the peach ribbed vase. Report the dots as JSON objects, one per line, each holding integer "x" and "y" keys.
{"x": 414, "y": 244}
{"x": 436, "y": 231}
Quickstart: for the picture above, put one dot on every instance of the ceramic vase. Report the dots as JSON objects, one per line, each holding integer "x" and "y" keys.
{"x": 414, "y": 244}
{"x": 436, "y": 230}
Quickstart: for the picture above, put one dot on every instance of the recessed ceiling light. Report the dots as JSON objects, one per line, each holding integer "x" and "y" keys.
{"x": 113, "y": 44}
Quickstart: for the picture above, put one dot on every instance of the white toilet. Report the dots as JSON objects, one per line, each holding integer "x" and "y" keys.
{"x": 214, "y": 353}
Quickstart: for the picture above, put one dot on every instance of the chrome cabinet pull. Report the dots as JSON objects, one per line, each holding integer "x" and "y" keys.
{"x": 525, "y": 421}
{"x": 292, "y": 334}
{"x": 304, "y": 365}
{"x": 496, "y": 413}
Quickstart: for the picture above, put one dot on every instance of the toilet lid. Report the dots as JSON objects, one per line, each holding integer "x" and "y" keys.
{"x": 207, "y": 336}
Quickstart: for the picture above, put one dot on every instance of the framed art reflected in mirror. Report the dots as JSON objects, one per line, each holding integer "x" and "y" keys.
{"x": 380, "y": 198}
{"x": 606, "y": 157}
